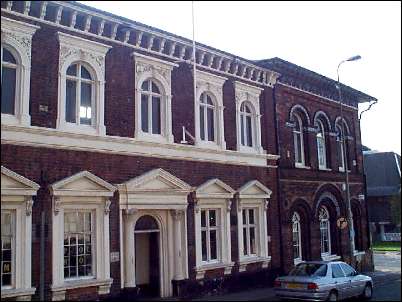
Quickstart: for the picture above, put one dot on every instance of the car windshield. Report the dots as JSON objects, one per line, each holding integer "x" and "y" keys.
{"x": 309, "y": 269}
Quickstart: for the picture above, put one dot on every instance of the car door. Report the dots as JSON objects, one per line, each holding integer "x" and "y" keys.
{"x": 342, "y": 283}
{"x": 354, "y": 280}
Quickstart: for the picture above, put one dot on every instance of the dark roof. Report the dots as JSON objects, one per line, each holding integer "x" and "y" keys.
{"x": 365, "y": 148}
{"x": 305, "y": 79}
{"x": 383, "y": 174}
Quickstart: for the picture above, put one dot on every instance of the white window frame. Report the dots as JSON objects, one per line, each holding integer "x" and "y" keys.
{"x": 251, "y": 95}
{"x": 248, "y": 226}
{"x": 16, "y": 36}
{"x": 325, "y": 225}
{"x": 214, "y": 195}
{"x": 83, "y": 191}
{"x": 213, "y": 86}
{"x": 243, "y": 121}
{"x": 254, "y": 195}
{"x": 13, "y": 251}
{"x": 339, "y": 142}
{"x": 208, "y": 228}
{"x": 321, "y": 140}
{"x": 146, "y": 68}
{"x": 300, "y": 134}
{"x": 16, "y": 197}
{"x": 296, "y": 223}
{"x": 91, "y": 55}
{"x": 149, "y": 95}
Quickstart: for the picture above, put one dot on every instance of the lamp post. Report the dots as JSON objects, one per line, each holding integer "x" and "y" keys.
{"x": 345, "y": 159}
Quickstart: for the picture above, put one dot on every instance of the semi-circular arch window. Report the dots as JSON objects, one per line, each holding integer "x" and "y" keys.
{"x": 296, "y": 235}
{"x": 150, "y": 107}
{"x": 207, "y": 118}
{"x": 246, "y": 125}
{"x": 321, "y": 147}
{"x": 298, "y": 140}
{"x": 9, "y": 68}
{"x": 325, "y": 231}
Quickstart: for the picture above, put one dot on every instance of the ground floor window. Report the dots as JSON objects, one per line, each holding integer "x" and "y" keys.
{"x": 249, "y": 232}
{"x": 7, "y": 248}
{"x": 297, "y": 252}
{"x": 209, "y": 235}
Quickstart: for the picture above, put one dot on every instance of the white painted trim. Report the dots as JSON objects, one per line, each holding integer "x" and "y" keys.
{"x": 52, "y": 138}
{"x": 266, "y": 193}
{"x": 330, "y": 257}
{"x": 202, "y": 190}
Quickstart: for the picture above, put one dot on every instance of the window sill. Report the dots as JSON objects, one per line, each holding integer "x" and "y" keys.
{"x": 324, "y": 169}
{"x": 330, "y": 257}
{"x": 357, "y": 253}
{"x": 248, "y": 260}
{"x": 297, "y": 261}
{"x": 301, "y": 166}
{"x": 13, "y": 292}
{"x": 59, "y": 291}
{"x": 343, "y": 170}
{"x": 200, "y": 270}
{"x": 250, "y": 150}
{"x": 81, "y": 129}
{"x": 209, "y": 145}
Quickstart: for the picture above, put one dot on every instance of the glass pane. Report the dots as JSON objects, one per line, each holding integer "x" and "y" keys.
{"x": 156, "y": 115}
{"x": 6, "y": 280}
{"x": 70, "y": 101}
{"x": 145, "y": 85}
{"x": 252, "y": 241}
{"x": 72, "y": 70}
{"x": 211, "y": 130}
{"x": 5, "y": 224}
{"x": 251, "y": 216}
{"x": 245, "y": 249}
{"x": 203, "y": 218}
{"x": 85, "y": 108}
{"x": 8, "y": 56}
{"x": 249, "y": 131}
{"x": 155, "y": 88}
{"x": 209, "y": 101}
{"x": 347, "y": 269}
{"x": 144, "y": 113}
{"x": 85, "y": 73}
{"x": 204, "y": 245}
{"x": 298, "y": 148}
{"x": 8, "y": 90}
{"x": 212, "y": 217}
{"x": 244, "y": 216}
{"x": 336, "y": 271}
{"x": 87, "y": 222}
{"x": 212, "y": 243}
{"x": 242, "y": 130}
{"x": 202, "y": 123}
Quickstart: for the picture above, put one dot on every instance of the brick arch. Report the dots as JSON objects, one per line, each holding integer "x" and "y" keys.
{"x": 329, "y": 195}
{"x": 321, "y": 115}
{"x": 302, "y": 207}
{"x": 304, "y": 114}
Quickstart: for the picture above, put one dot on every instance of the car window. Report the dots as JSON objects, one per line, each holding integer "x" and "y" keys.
{"x": 337, "y": 271}
{"x": 349, "y": 271}
{"x": 309, "y": 269}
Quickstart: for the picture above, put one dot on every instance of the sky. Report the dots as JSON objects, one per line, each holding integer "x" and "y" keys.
{"x": 314, "y": 35}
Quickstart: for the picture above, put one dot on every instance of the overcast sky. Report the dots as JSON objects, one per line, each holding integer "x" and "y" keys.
{"x": 315, "y": 35}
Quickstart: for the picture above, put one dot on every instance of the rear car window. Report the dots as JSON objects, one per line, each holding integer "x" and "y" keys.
{"x": 347, "y": 269}
{"x": 337, "y": 271}
{"x": 309, "y": 269}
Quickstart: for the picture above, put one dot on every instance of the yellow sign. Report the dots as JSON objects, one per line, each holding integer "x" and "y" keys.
{"x": 342, "y": 223}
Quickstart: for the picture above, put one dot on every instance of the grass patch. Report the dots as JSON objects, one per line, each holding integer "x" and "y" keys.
{"x": 387, "y": 246}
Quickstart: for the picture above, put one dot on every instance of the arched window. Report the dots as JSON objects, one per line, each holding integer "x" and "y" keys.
{"x": 79, "y": 95}
{"x": 296, "y": 231}
{"x": 150, "y": 107}
{"x": 207, "y": 118}
{"x": 325, "y": 231}
{"x": 321, "y": 147}
{"x": 339, "y": 148}
{"x": 9, "y": 67}
{"x": 246, "y": 125}
{"x": 298, "y": 140}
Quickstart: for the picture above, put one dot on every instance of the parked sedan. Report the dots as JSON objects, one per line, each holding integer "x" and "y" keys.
{"x": 323, "y": 281}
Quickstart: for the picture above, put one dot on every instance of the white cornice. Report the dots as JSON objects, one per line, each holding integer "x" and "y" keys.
{"x": 8, "y": 24}
{"x": 202, "y": 190}
{"x": 29, "y": 187}
{"x": 147, "y": 59}
{"x": 89, "y": 45}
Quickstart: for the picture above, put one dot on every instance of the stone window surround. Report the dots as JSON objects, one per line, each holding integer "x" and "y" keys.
{"x": 72, "y": 50}
{"x": 68, "y": 197}
{"x": 250, "y": 94}
{"x": 213, "y": 85}
{"x": 260, "y": 202}
{"x": 206, "y": 200}
{"x": 18, "y": 199}
{"x": 147, "y": 67}
{"x": 296, "y": 219}
{"x": 16, "y": 36}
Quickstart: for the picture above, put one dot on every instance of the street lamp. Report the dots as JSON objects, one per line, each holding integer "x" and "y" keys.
{"x": 345, "y": 159}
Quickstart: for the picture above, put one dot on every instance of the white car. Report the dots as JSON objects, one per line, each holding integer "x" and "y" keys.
{"x": 323, "y": 281}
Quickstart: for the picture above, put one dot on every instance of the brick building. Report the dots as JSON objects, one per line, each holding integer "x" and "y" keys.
{"x": 114, "y": 180}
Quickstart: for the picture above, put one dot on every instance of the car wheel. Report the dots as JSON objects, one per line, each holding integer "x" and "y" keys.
{"x": 367, "y": 292}
{"x": 333, "y": 296}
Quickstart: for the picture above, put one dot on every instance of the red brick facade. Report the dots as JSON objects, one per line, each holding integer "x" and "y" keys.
{"x": 292, "y": 188}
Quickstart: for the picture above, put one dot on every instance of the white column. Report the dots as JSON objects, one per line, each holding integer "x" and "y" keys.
{"x": 178, "y": 264}
{"x": 221, "y": 128}
{"x": 101, "y": 105}
{"x": 129, "y": 251}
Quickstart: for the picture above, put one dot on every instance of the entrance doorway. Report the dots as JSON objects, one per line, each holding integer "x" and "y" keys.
{"x": 147, "y": 249}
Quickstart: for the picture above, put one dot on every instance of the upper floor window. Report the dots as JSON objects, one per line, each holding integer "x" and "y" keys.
{"x": 81, "y": 89}
{"x": 207, "y": 118}
{"x": 339, "y": 148}
{"x": 153, "y": 100}
{"x": 246, "y": 125}
{"x": 150, "y": 107}
{"x": 79, "y": 95}
{"x": 296, "y": 235}
{"x": 342, "y": 133}
{"x": 8, "y": 81}
{"x": 321, "y": 146}
{"x": 298, "y": 140}
{"x": 325, "y": 231}
{"x": 16, "y": 41}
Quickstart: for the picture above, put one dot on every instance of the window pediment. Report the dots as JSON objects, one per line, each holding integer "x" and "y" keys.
{"x": 82, "y": 184}
{"x": 157, "y": 180}
{"x": 214, "y": 188}
{"x": 15, "y": 184}
{"x": 254, "y": 189}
